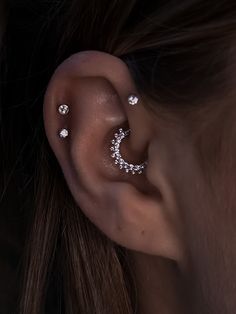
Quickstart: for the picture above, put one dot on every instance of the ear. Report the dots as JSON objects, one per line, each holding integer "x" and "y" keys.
{"x": 132, "y": 210}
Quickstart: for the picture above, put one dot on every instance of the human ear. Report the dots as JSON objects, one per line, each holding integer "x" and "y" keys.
{"x": 128, "y": 208}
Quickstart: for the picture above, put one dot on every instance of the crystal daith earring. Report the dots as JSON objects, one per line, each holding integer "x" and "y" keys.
{"x": 116, "y": 154}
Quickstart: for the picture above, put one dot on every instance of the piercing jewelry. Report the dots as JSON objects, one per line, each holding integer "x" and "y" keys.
{"x": 133, "y": 99}
{"x": 63, "y": 133}
{"x": 63, "y": 109}
{"x": 119, "y": 161}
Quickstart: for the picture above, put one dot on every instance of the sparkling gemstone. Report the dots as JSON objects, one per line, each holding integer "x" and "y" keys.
{"x": 63, "y": 133}
{"x": 116, "y": 154}
{"x": 63, "y": 109}
{"x": 133, "y": 100}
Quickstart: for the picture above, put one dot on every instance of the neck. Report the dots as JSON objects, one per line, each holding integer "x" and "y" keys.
{"x": 158, "y": 283}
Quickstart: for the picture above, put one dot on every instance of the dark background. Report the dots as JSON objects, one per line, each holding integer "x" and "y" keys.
{"x": 27, "y": 59}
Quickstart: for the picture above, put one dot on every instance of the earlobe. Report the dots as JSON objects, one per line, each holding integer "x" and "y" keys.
{"x": 92, "y": 111}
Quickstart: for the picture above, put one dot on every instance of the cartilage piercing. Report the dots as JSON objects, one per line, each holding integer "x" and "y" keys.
{"x": 63, "y": 109}
{"x": 116, "y": 154}
{"x": 133, "y": 99}
{"x": 63, "y": 133}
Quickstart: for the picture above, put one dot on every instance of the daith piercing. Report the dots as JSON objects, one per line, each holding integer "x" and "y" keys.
{"x": 116, "y": 154}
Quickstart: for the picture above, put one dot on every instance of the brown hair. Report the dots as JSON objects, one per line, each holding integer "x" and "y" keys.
{"x": 177, "y": 53}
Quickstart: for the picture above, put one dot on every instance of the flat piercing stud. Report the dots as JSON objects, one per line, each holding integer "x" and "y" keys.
{"x": 63, "y": 133}
{"x": 133, "y": 99}
{"x": 63, "y": 109}
{"x": 116, "y": 154}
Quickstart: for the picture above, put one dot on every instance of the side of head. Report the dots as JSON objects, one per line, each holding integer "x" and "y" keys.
{"x": 183, "y": 125}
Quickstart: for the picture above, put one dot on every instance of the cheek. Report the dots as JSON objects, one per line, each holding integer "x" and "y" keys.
{"x": 211, "y": 241}
{"x": 177, "y": 172}
{"x": 206, "y": 198}
{"x": 196, "y": 206}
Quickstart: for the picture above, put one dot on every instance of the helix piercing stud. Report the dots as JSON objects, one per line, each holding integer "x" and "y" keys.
{"x": 116, "y": 154}
{"x": 133, "y": 99}
{"x": 63, "y": 109}
{"x": 63, "y": 133}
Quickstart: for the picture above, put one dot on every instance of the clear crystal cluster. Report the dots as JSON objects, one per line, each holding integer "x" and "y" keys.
{"x": 133, "y": 100}
{"x": 63, "y": 109}
{"x": 119, "y": 161}
{"x": 63, "y": 133}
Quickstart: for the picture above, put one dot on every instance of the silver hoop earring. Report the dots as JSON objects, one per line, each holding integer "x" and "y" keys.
{"x": 119, "y": 161}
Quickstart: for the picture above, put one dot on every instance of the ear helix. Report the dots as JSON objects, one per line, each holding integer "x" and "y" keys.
{"x": 119, "y": 161}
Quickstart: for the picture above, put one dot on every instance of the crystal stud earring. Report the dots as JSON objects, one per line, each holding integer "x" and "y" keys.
{"x": 133, "y": 99}
{"x": 63, "y": 133}
{"x": 116, "y": 154}
{"x": 63, "y": 109}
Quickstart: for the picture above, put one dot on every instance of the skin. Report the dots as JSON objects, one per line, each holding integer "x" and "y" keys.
{"x": 177, "y": 220}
